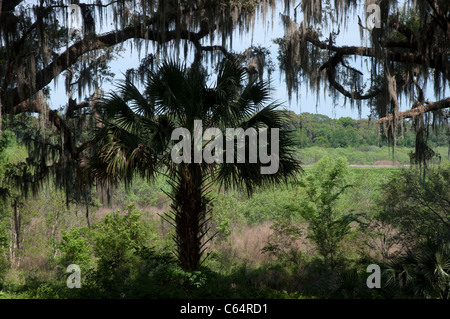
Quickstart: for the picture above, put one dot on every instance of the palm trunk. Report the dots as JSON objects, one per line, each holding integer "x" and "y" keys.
{"x": 189, "y": 212}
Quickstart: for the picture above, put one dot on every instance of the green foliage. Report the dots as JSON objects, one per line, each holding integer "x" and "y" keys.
{"x": 327, "y": 226}
{"x": 141, "y": 192}
{"x": 4, "y": 263}
{"x": 223, "y": 226}
{"x": 149, "y": 271}
{"x": 266, "y": 205}
{"x": 276, "y": 294}
{"x": 418, "y": 205}
{"x": 115, "y": 256}
{"x": 189, "y": 279}
{"x": 6, "y": 144}
{"x": 75, "y": 248}
{"x": 117, "y": 238}
{"x": 424, "y": 274}
{"x": 321, "y": 130}
{"x": 119, "y": 230}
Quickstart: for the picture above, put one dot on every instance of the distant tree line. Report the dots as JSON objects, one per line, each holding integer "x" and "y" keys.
{"x": 321, "y": 130}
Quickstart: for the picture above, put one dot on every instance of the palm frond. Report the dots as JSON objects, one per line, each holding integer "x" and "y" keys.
{"x": 248, "y": 175}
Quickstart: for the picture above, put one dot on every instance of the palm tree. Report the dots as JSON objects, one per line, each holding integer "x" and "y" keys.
{"x": 424, "y": 274}
{"x": 134, "y": 136}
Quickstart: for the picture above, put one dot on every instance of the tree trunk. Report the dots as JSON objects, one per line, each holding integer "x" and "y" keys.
{"x": 17, "y": 223}
{"x": 189, "y": 211}
{"x": 15, "y": 235}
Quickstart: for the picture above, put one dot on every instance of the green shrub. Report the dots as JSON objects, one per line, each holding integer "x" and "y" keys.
{"x": 327, "y": 226}
{"x": 418, "y": 205}
{"x": 75, "y": 248}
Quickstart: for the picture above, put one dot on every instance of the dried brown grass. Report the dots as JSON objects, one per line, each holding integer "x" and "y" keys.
{"x": 246, "y": 243}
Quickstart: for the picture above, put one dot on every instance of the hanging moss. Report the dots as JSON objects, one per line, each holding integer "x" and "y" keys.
{"x": 37, "y": 47}
{"x": 410, "y": 49}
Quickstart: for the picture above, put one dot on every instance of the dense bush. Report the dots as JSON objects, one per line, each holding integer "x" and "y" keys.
{"x": 75, "y": 248}
{"x": 417, "y": 203}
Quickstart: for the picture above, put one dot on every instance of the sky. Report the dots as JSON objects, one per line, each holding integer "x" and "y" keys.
{"x": 261, "y": 35}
